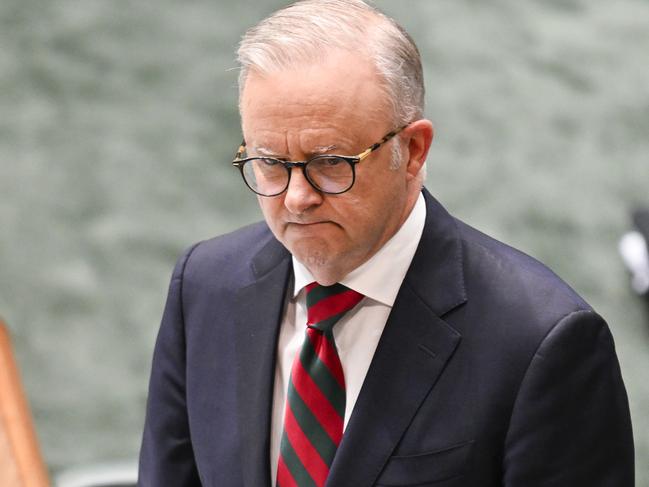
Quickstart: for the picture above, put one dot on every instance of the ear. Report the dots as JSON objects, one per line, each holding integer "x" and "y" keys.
{"x": 418, "y": 136}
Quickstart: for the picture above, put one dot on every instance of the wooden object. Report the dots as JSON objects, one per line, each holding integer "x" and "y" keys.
{"x": 21, "y": 463}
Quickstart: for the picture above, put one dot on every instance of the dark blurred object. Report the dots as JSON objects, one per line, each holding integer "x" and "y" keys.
{"x": 634, "y": 247}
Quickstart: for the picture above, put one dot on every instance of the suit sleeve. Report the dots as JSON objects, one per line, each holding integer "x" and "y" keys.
{"x": 166, "y": 456}
{"x": 570, "y": 424}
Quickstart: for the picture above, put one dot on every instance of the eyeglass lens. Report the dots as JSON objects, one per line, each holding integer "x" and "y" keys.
{"x": 269, "y": 177}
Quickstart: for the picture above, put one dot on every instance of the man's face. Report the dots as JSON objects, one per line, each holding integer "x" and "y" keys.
{"x": 335, "y": 107}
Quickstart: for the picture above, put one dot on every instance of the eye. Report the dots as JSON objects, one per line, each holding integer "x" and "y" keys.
{"x": 332, "y": 161}
{"x": 269, "y": 162}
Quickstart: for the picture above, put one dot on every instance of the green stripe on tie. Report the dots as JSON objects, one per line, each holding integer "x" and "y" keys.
{"x": 294, "y": 464}
{"x": 321, "y": 292}
{"x": 321, "y": 375}
{"x": 308, "y": 422}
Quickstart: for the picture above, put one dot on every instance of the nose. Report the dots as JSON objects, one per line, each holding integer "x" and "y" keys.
{"x": 300, "y": 195}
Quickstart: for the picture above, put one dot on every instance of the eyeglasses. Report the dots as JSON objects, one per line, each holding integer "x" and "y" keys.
{"x": 327, "y": 173}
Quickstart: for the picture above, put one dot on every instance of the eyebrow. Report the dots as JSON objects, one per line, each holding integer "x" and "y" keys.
{"x": 263, "y": 151}
{"x": 321, "y": 149}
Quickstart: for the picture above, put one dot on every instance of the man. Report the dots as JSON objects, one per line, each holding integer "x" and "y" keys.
{"x": 362, "y": 336}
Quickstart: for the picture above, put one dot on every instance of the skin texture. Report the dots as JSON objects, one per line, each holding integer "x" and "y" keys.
{"x": 300, "y": 112}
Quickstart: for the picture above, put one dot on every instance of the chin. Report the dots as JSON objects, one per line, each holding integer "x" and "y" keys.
{"x": 313, "y": 253}
{"x": 326, "y": 265}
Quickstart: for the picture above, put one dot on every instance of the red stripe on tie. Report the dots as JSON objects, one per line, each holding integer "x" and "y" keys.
{"x": 284, "y": 476}
{"x": 317, "y": 402}
{"x": 327, "y": 355}
{"x": 333, "y": 305}
{"x": 306, "y": 452}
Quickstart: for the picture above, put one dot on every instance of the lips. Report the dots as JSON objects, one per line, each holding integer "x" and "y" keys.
{"x": 306, "y": 225}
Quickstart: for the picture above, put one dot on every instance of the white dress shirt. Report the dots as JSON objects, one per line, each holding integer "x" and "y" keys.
{"x": 358, "y": 332}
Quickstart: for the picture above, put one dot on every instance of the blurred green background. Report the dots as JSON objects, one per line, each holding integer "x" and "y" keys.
{"x": 118, "y": 120}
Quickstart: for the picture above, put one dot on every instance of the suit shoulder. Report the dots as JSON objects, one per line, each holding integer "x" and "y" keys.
{"x": 245, "y": 240}
{"x": 227, "y": 255}
{"x": 513, "y": 281}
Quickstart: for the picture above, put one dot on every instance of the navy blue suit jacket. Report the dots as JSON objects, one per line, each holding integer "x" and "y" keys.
{"x": 491, "y": 371}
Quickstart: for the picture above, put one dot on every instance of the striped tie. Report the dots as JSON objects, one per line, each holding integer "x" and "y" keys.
{"x": 315, "y": 405}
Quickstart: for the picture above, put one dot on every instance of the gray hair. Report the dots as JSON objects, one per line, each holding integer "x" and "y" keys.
{"x": 305, "y": 31}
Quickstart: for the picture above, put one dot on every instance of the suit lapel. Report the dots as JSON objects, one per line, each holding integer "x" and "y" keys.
{"x": 258, "y": 310}
{"x": 411, "y": 355}
{"x": 414, "y": 348}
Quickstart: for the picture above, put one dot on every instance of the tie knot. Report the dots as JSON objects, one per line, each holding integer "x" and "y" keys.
{"x": 327, "y": 304}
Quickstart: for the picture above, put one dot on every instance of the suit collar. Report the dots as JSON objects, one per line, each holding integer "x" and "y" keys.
{"x": 272, "y": 254}
{"x": 437, "y": 269}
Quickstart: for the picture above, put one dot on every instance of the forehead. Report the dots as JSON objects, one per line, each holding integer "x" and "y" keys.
{"x": 342, "y": 92}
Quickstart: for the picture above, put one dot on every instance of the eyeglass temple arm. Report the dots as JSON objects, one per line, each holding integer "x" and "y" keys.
{"x": 373, "y": 147}
{"x": 240, "y": 151}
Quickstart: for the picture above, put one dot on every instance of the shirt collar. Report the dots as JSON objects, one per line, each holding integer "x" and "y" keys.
{"x": 381, "y": 276}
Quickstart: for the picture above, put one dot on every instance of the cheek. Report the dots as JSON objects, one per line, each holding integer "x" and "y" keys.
{"x": 369, "y": 216}
{"x": 271, "y": 208}
{"x": 359, "y": 216}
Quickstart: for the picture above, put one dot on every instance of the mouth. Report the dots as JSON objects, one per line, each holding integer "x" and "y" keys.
{"x": 308, "y": 225}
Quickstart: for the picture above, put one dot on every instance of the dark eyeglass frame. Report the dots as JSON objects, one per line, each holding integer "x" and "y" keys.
{"x": 240, "y": 161}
